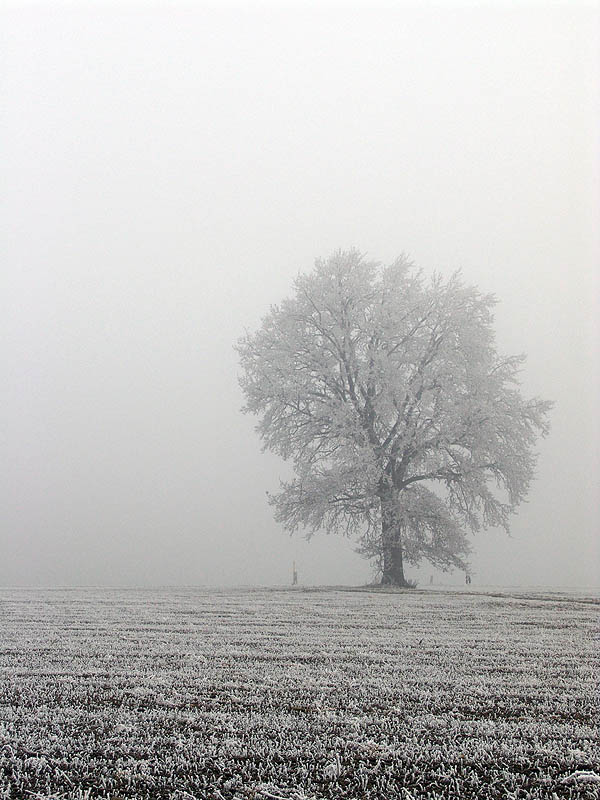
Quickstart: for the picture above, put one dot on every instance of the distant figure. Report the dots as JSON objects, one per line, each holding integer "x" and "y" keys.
{"x": 430, "y": 579}
{"x": 294, "y": 575}
{"x": 467, "y": 578}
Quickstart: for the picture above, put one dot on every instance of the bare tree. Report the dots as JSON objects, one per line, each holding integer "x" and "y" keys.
{"x": 404, "y": 426}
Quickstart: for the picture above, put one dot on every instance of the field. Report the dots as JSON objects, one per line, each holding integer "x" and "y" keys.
{"x": 298, "y": 694}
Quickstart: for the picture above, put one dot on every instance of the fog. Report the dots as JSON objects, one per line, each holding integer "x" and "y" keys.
{"x": 166, "y": 174}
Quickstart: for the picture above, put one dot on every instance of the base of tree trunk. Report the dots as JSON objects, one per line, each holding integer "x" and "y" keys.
{"x": 390, "y": 580}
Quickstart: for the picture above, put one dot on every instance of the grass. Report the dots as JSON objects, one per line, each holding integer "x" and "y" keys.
{"x": 297, "y": 694}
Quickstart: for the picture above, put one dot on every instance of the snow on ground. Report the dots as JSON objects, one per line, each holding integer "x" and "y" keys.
{"x": 298, "y": 694}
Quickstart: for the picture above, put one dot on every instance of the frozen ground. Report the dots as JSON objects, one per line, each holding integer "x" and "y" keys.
{"x": 298, "y": 694}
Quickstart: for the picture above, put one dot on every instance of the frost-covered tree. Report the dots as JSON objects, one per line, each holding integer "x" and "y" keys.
{"x": 405, "y": 427}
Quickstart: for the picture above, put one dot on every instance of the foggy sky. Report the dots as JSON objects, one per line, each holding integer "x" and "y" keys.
{"x": 167, "y": 172}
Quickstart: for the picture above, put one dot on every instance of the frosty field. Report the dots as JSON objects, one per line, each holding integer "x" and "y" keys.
{"x": 297, "y": 694}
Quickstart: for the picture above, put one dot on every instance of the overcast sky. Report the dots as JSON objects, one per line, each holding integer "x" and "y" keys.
{"x": 165, "y": 175}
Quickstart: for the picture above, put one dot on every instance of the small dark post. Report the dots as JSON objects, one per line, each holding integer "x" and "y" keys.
{"x": 294, "y": 575}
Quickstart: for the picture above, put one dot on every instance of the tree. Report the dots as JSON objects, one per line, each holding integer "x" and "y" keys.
{"x": 404, "y": 426}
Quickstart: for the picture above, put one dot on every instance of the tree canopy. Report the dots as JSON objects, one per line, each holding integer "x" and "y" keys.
{"x": 405, "y": 427}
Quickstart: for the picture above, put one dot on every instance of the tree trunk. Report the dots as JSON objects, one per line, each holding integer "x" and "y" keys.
{"x": 393, "y": 568}
{"x": 391, "y": 540}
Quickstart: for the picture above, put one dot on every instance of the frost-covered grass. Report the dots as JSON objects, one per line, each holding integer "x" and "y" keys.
{"x": 297, "y": 694}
